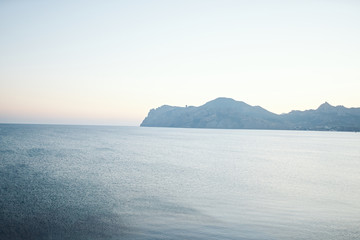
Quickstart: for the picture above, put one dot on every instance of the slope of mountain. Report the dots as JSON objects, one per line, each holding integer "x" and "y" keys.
{"x": 228, "y": 113}
{"x": 325, "y": 117}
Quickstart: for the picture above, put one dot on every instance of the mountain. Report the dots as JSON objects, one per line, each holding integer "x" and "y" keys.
{"x": 228, "y": 113}
{"x": 325, "y": 117}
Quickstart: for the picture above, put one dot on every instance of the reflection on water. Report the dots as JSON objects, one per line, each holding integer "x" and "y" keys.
{"x": 82, "y": 182}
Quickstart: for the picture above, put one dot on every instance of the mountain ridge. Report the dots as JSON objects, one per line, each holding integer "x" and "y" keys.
{"x": 227, "y": 113}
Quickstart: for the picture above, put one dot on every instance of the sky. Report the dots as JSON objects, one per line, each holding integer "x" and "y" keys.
{"x": 110, "y": 62}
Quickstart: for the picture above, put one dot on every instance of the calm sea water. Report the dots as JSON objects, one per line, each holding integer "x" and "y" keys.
{"x": 92, "y": 182}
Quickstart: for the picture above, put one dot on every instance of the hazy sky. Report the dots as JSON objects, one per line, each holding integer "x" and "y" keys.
{"x": 110, "y": 62}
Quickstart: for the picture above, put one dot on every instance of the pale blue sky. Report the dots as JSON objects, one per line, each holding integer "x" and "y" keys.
{"x": 110, "y": 62}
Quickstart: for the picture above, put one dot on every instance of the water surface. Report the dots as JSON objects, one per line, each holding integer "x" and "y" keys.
{"x": 95, "y": 182}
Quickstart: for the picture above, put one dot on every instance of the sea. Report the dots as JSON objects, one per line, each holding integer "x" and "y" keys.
{"x": 111, "y": 182}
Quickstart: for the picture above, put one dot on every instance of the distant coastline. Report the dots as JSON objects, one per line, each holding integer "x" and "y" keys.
{"x": 227, "y": 113}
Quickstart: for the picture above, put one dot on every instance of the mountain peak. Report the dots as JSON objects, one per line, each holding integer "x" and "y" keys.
{"x": 222, "y": 102}
{"x": 325, "y": 106}
{"x": 223, "y": 99}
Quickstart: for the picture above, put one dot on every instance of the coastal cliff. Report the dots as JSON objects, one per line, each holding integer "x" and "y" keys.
{"x": 227, "y": 113}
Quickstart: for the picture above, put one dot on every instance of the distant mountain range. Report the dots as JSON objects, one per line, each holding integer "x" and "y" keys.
{"x": 227, "y": 113}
